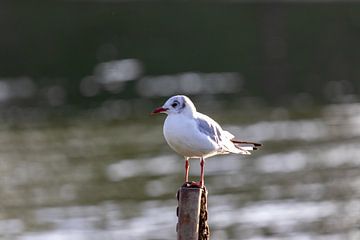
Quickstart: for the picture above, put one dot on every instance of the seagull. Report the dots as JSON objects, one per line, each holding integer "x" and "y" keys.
{"x": 195, "y": 135}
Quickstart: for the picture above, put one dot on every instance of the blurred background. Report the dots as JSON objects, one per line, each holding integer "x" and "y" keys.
{"x": 80, "y": 157}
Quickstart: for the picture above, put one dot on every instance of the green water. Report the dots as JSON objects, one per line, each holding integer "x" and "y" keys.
{"x": 88, "y": 179}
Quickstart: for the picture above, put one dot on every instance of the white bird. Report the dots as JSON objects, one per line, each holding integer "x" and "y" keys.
{"x": 195, "y": 135}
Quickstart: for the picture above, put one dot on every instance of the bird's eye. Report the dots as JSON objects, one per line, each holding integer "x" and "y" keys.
{"x": 174, "y": 105}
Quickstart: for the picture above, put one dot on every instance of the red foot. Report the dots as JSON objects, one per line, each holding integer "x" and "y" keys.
{"x": 194, "y": 185}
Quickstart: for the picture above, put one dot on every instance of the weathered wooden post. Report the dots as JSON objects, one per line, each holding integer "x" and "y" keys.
{"x": 192, "y": 214}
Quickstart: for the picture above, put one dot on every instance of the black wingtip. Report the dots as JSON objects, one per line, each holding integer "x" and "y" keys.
{"x": 245, "y": 142}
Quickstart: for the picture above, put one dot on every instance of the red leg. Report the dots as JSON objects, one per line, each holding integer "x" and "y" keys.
{"x": 202, "y": 164}
{"x": 200, "y": 184}
{"x": 187, "y": 167}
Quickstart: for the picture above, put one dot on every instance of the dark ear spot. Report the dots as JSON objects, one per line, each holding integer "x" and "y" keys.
{"x": 183, "y": 102}
{"x": 183, "y": 105}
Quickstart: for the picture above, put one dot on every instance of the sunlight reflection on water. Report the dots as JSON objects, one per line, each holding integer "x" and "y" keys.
{"x": 82, "y": 182}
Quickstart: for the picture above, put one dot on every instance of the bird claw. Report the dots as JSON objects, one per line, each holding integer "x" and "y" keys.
{"x": 193, "y": 184}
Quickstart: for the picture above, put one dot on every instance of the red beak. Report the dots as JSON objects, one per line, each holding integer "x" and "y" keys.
{"x": 158, "y": 110}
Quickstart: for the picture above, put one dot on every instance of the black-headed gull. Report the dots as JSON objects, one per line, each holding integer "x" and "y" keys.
{"x": 195, "y": 135}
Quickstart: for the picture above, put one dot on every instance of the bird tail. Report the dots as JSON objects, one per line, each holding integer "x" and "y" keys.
{"x": 245, "y": 146}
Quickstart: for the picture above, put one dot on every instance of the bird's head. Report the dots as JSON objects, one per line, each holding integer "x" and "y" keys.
{"x": 175, "y": 105}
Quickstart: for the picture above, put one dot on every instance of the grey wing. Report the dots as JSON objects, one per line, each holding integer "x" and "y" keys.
{"x": 224, "y": 139}
{"x": 209, "y": 129}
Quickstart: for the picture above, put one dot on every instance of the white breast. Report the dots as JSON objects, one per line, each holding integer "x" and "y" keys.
{"x": 183, "y": 136}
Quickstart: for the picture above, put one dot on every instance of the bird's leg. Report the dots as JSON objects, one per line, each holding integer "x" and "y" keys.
{"x": 202, "y": 163}
{"x": 187, "y": 167}
{"x": 201, "y": 183}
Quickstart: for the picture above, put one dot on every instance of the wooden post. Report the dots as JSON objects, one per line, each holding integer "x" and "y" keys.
{"x": 192, "y": 214}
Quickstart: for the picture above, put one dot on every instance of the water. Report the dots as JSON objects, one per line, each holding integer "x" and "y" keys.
{"x": 117, "y": 180}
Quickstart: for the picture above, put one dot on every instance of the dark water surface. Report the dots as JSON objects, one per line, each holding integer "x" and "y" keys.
{"x": 90, "y": 180}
